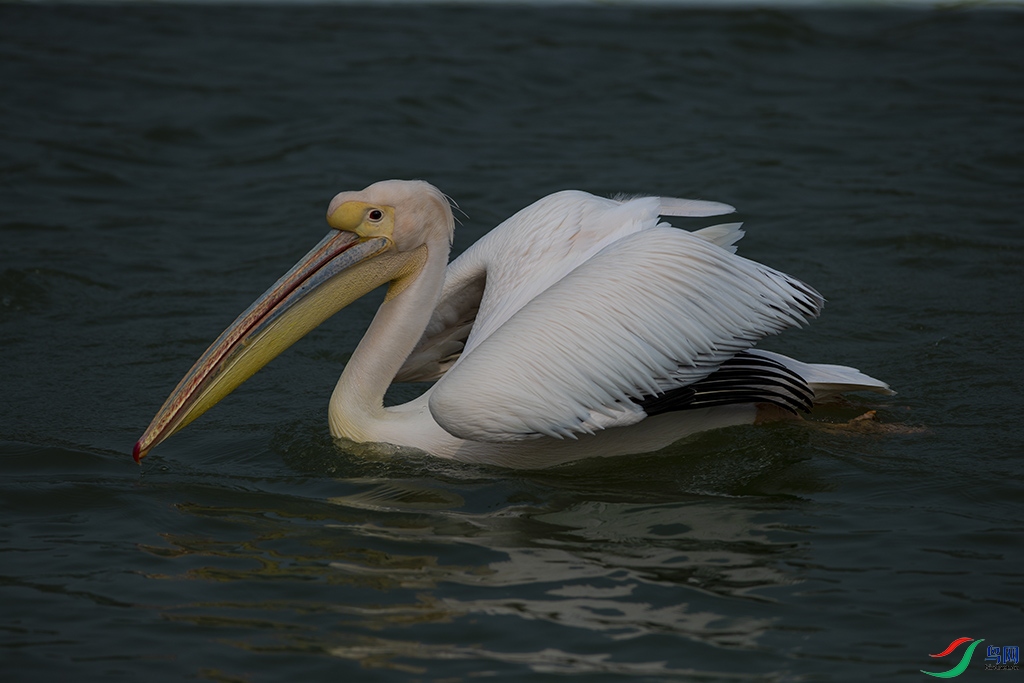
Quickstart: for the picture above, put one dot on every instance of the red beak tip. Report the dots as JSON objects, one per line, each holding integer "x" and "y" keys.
{"x": 136, "y": 452}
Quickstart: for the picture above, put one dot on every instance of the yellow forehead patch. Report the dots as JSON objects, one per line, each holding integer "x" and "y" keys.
{"x": 366, "y": 220}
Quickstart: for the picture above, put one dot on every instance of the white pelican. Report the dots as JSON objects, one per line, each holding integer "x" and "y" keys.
{"x": 579, "y": 327}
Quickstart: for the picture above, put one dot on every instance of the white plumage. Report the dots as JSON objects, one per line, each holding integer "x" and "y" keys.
{"x": 653, "y": 310}
{"x": 581, "y": 326}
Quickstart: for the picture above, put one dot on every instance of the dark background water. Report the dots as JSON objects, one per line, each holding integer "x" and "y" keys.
{"x": 161, "y": 165}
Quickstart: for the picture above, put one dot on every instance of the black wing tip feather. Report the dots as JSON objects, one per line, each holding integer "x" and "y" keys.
{"x": 744, "y": 378}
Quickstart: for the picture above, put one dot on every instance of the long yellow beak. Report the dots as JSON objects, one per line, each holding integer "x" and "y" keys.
{"x": 341, "y": 268}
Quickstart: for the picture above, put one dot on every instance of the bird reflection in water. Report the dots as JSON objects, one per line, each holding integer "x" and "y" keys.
{"x": 351, "y": 574}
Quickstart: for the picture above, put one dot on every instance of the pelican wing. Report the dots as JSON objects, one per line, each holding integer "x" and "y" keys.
{"x": 530, "y": 252}
{"x": 654, "y": 310}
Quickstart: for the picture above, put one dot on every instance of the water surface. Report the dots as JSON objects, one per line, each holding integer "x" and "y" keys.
{"x": 163, "y": 164}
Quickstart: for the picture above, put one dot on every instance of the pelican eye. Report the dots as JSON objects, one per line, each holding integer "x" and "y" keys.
{"x": 375, "y": 215}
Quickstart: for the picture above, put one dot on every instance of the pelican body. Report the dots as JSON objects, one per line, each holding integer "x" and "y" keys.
{"x": 579, "y": 327}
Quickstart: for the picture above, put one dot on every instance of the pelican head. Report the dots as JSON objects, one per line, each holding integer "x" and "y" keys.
{"x": 379, "y": 235}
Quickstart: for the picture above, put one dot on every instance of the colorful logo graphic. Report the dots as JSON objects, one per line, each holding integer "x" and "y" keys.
{"x": 964, "y": 661}
{"x": 1007, "y": 657}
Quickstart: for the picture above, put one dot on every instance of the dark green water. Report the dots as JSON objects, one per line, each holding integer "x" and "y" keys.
{"x": 162, "y": 165}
